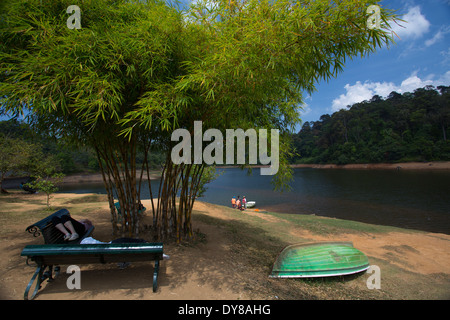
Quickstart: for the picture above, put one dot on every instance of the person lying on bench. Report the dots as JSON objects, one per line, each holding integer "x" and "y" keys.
{"x": 91, "y": 240}
{"x": 76, "y": 228}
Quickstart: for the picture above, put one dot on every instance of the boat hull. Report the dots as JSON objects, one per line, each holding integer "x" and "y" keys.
{"x": 251, "y": 204}
{"x": 322, "y": 259}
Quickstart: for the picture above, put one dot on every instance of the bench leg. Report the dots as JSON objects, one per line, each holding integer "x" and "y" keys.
{"x": 49, "y": 273}
{"x": 38, "y": 274}
{"x": 155, "y": 276}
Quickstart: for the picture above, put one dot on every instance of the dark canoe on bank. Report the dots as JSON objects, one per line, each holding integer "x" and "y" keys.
{"x": 321, "y": 259}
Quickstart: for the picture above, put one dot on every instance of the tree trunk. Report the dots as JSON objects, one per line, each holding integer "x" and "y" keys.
{"x": 444, "y": 135}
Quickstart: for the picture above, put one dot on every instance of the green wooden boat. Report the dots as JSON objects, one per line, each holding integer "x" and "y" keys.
{"x": 321, "y": 259}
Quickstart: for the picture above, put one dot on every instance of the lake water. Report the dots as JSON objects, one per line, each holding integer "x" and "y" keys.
{"x": 408, "y": 199}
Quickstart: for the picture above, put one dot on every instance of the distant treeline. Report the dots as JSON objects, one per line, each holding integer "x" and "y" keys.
{"x": 66, "y": 157}
{"x": 401, "y": 128}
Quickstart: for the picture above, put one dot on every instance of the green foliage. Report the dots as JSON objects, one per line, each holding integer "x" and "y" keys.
{"x": 209, "y": 174}
{"x": 22, "y": 153}
{"x": 408, "y": 127}
{"x": 67, "y": 157}
{"x": 48, "y": 185}
{"x": 14, "y": 156}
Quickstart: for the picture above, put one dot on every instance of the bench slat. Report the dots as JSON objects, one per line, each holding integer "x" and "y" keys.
{"x": 94, "y": 258}
{"x": 50, "y": 233}
{"x": 107, "y": 248}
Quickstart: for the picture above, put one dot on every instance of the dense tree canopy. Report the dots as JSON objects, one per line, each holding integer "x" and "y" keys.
{"x": 402, "y": 127}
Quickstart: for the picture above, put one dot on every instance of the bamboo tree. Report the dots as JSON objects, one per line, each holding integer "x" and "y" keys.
{"x": 81, "y": 82}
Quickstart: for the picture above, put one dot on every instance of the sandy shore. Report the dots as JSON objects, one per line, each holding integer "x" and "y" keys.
{"x": 437, "y": 165}
{"x": 98, "y": 178}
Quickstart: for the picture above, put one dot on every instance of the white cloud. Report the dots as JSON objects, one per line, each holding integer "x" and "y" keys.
{"x": 360, "y": 92}
{"x": 365, "y": 91}
{"x": 438, "y": 36}
{"x": 305, "y": 109}
{"x": 446, "y": 57}
{"x": 416, "y": 24}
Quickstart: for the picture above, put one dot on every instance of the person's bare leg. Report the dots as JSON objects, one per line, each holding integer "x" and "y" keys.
{"x": 69, "y": 226}
{"x": 61, "y": 228}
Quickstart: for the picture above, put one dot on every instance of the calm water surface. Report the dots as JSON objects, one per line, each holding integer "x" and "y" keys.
{"x": 408, "y": 199}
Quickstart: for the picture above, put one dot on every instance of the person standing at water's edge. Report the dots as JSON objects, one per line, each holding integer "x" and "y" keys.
{"x": 233, "y": 202}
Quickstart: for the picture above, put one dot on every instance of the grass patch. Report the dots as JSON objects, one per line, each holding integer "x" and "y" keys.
{"x": 19, "y": 198}
{"x": 331, "y": 226}
{"x": 88, "y": 199}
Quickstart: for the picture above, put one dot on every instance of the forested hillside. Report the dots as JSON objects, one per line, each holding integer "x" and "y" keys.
{"x": 400, "y": 128}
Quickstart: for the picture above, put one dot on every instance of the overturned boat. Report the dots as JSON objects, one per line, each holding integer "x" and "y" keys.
{"x": 320, "y": 259}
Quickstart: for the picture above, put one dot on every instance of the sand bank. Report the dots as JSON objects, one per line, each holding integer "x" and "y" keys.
{"x": 438, "y": 165}
{"x": 98, "y": 178}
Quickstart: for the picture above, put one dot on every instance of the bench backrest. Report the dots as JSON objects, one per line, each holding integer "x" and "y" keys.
{"x": 141, "y": 208}
{"x": 50, "y": 233}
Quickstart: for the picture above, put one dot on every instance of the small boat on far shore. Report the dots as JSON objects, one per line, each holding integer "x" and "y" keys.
{"x": 251, "y": 204}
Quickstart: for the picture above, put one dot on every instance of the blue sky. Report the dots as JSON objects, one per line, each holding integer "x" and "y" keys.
{"x": 420, "y": 57}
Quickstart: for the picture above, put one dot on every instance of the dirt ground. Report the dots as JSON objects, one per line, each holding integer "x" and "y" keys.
{"x": 211, "y": 268}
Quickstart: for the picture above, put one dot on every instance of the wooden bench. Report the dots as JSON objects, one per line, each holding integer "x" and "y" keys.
{"x": 50, "y": 233}
{"x": 49, "y": 255}
{"x": 56, "y": 251}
